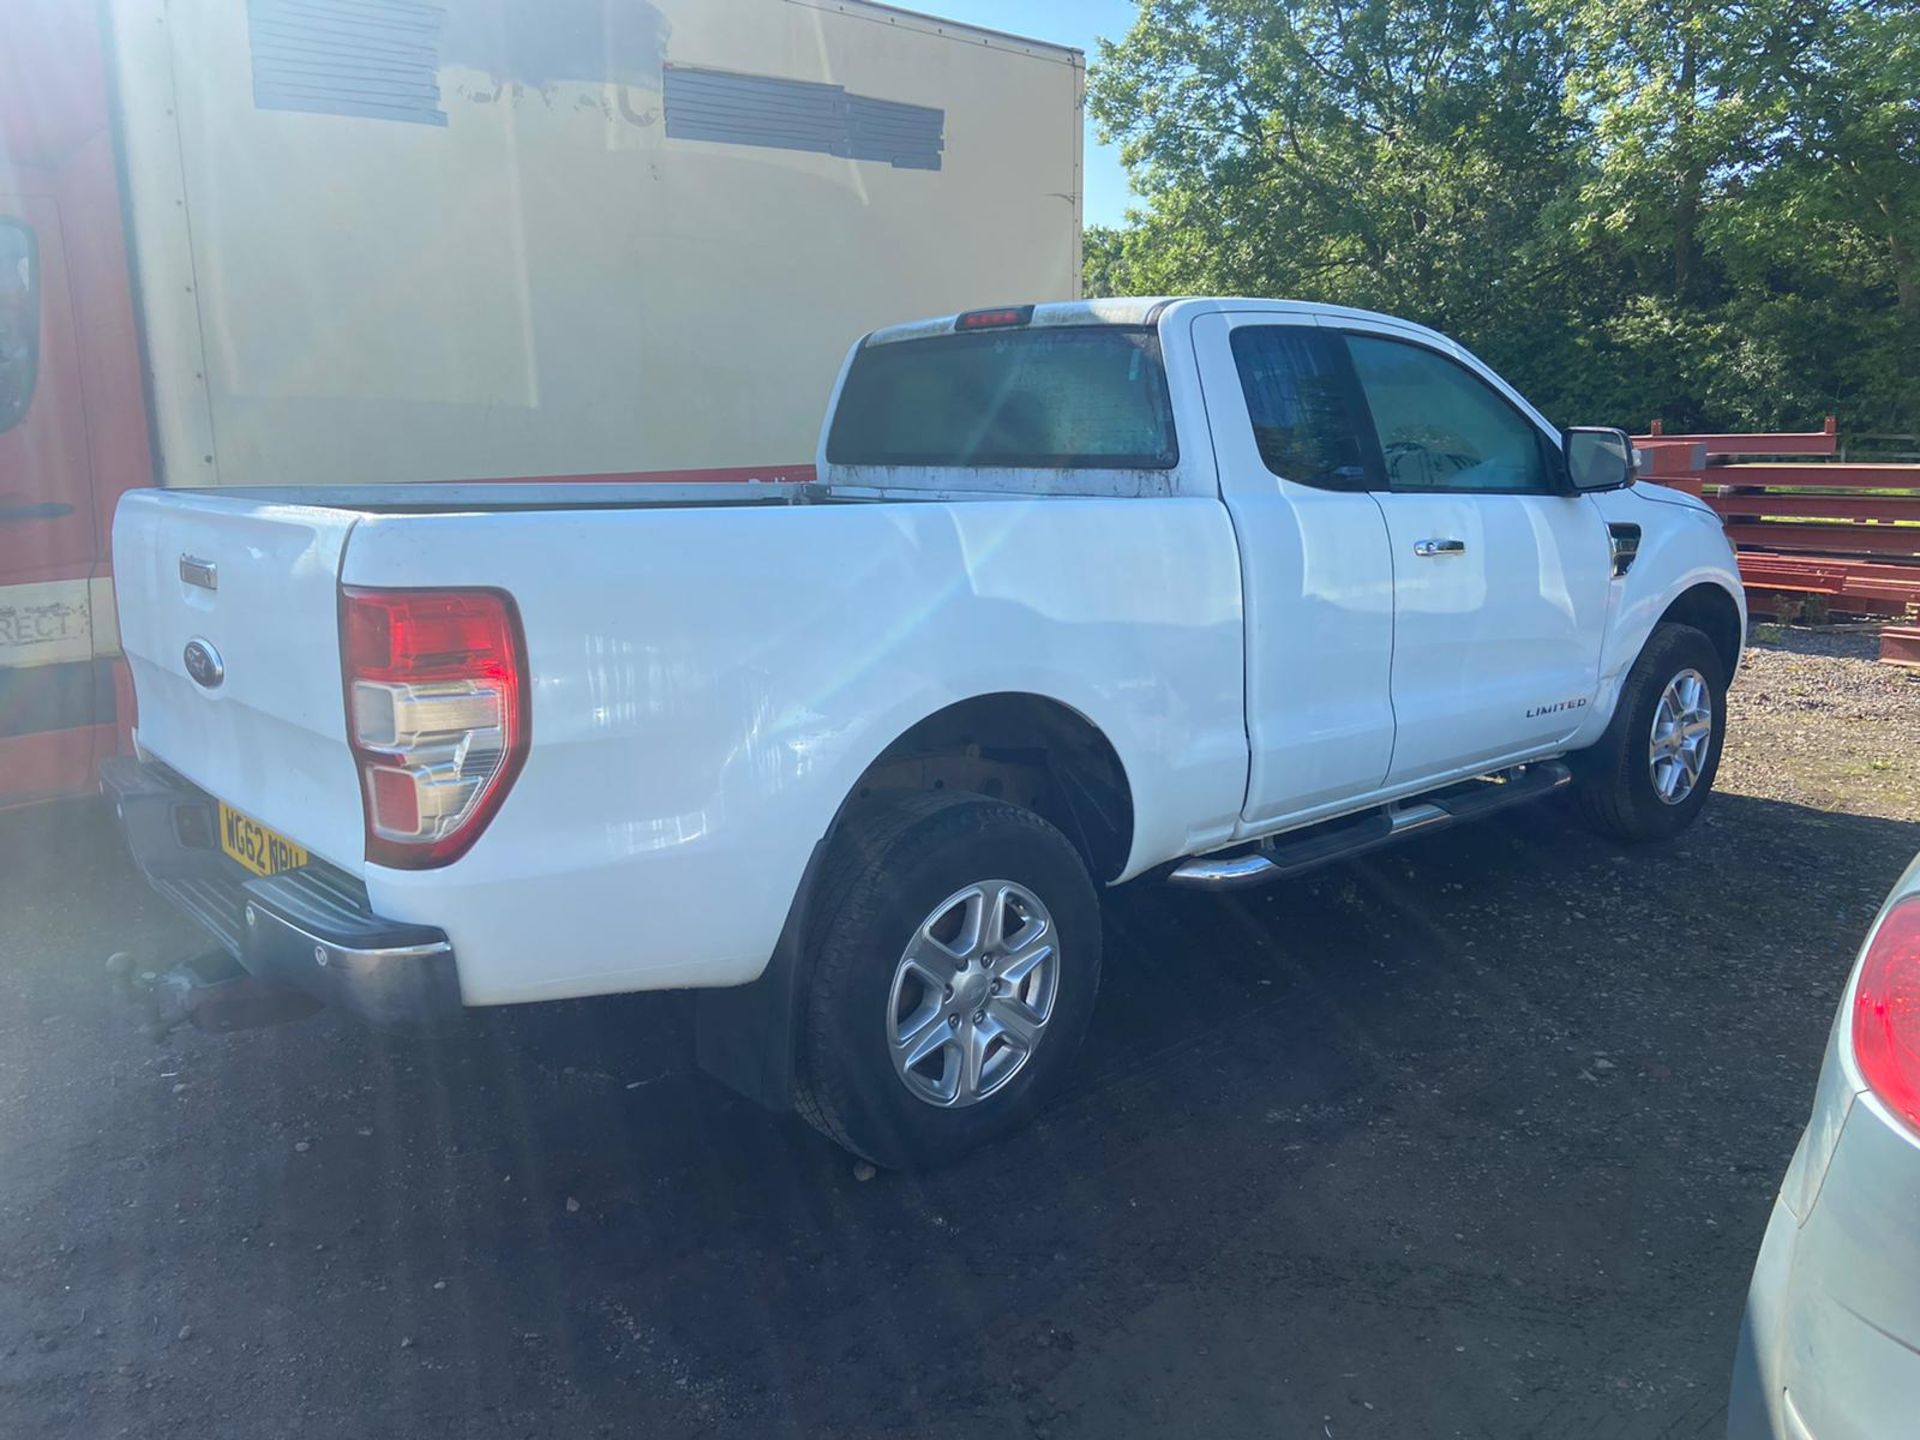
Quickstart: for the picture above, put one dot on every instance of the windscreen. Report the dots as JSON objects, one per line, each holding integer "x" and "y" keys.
{"x": 1090, "y": 398}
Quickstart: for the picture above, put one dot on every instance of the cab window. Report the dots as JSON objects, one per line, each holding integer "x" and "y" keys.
{"x": 1442, "y": 427}
{"x": 1301, "y": 401}
{"x": 1082, "y": 397}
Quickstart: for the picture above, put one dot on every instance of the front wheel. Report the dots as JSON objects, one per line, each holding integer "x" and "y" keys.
{"x": 955, "y": 954}
{"x": 1653, "y": 769}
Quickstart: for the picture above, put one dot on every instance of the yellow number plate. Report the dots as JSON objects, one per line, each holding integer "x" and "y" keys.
{"x": 263, "y": 851}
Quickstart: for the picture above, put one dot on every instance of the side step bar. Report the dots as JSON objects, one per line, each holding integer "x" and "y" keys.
{"x": 1295, "y": 854}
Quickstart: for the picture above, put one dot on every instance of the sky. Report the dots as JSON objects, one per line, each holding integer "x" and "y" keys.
{"x": 1066, "y": 22}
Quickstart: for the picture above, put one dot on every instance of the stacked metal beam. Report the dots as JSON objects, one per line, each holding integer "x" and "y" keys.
{"x": 1848, "y": 533}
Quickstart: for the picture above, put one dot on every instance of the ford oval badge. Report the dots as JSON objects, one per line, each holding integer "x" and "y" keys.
{"x": 203, "y": 664}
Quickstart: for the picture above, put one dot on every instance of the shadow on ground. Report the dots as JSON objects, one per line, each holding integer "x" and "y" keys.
{"x": 1476, "y": 1138}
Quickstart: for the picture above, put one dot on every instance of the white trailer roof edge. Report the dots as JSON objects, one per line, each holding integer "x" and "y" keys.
{"x": 942, "y": 25}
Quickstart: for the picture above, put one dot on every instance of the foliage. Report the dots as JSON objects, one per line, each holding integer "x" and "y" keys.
{"x": 1706, "y": 210}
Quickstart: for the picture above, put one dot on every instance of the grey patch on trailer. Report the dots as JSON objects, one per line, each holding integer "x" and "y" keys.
{"x": 764, "y": 110}
{"x": 381, "y": 59}
{"x": 543, "y": 42}
{"x": 375, "y": 59}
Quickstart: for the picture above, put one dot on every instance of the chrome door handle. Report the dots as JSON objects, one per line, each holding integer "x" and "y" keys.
{"x": 1429, "y": 549}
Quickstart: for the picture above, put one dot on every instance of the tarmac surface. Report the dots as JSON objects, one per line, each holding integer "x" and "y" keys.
{"x": 1477, "y": 1137}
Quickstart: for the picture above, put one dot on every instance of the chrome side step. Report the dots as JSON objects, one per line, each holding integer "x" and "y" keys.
{"x": 1304, "y": 850}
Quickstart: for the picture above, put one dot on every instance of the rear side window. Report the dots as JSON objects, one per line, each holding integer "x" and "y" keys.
{"x": 1301, "y": 399}
{"x": 19, "y": 321}
{"x": 1091, "y": 398}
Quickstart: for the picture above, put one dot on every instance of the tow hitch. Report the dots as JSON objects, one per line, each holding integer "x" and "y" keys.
{"x": 213, "y": 992}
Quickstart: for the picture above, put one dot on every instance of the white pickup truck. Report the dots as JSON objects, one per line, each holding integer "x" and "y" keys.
{"x": 1207, "y": 591}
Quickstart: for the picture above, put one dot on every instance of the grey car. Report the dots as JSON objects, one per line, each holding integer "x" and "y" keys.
{"x": 1830, "y": 1347}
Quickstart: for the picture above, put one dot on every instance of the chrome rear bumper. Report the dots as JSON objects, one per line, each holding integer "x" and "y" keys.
{"x": 310, "y": 928}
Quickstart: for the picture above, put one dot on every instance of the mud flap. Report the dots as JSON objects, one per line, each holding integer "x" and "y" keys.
{"x": 748, "y": 1037}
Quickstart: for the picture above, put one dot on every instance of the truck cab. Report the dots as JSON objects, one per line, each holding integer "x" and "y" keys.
{"x": 1434, "y": 586}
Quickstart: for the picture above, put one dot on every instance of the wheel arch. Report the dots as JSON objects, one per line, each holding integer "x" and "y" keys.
{"x": 996, "y": 743}
{"x": 1017, "y": 745}
{"x": 1711, "y": 608}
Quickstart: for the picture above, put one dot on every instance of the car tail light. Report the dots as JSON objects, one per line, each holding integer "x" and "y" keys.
{"x": 436, "y": 685}
{"x": 1886, "y": 1012}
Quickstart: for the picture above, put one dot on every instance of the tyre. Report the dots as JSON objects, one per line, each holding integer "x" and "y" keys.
{"x": 954, "y": 955}
{"x": 1653, "y": 769}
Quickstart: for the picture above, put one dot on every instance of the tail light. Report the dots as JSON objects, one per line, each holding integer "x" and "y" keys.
{"x": 436, "y": 713}
{"x": 1007, "y": 318}
{"x": 1886, "y": 1012}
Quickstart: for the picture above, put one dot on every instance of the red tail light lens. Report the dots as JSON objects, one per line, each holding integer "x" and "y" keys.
{"x": 1886, "y": 1012}
{"x": 1007, "y": 318}
{"x": 436, "y": 713}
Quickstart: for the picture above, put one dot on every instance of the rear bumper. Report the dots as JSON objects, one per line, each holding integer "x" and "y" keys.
{"x": 1830, "y": 1344}
{"x": 310, "y": 928}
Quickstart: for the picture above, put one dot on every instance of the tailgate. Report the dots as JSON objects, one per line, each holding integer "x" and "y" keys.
{"x": 256, "y": 585}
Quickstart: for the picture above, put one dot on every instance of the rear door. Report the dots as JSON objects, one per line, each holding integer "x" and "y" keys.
{"x": 1314, "y": 561}
{"x": 53, "y": 696}
{"x": 1500, "y": 574}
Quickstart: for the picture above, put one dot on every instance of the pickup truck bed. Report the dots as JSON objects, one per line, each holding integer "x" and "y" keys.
{"x": 708, "y": 682}
{"x": 516, "y": 496}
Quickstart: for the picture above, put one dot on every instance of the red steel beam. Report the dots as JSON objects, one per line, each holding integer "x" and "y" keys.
{"x": 1820, "y": 507}
{"x": 1864, "y": 596}
{"x": 1772, "y": 600}
{"x": 1859, "y": 569}
{"x": 1665, "y": 458}
{"x": 1776, "y": 577}
{"x": 1861, "y": 587}
{"x": 1841, "y": 539}
{"x": 1822, "y": 477}
{"x": 1900, "y": 645}
{"x": 1806, "y": 442}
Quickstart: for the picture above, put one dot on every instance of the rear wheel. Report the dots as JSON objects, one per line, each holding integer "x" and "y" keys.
{"x": 1651, "y": 773}
{"x": 955, "y": 956}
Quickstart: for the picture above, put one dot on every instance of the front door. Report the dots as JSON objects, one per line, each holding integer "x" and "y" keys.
{"x": 1500, "y": 574}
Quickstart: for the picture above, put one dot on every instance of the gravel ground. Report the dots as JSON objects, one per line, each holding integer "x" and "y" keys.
{"x": 1475, "y": 1138}
{"x": 1817, "y": 722}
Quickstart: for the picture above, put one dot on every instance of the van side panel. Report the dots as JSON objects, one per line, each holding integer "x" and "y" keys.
{"x": 81, "y": 439}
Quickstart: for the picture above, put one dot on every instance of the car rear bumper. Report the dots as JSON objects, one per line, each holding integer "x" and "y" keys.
{"x": 310, "y": 928}
{"x": 1830, "y": 1344}
{"x": 1757, "y": 1406}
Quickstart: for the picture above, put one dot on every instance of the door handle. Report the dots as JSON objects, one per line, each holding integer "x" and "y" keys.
{"x": 1430, "y": 549}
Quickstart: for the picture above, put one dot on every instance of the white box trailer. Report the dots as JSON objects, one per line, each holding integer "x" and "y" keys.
{"x": 298, "y": 242}
{"x": 391, "y": 240}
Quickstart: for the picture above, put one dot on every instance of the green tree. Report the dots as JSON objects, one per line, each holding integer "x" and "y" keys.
{"x": 1374, "y": 151}
{"x": 1707, "y": 210}
{"x": 1836, "y": 99}
{"x": 1651, "y": 87}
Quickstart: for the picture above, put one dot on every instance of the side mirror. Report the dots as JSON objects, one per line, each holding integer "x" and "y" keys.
{"x": 1599, "y": 458}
